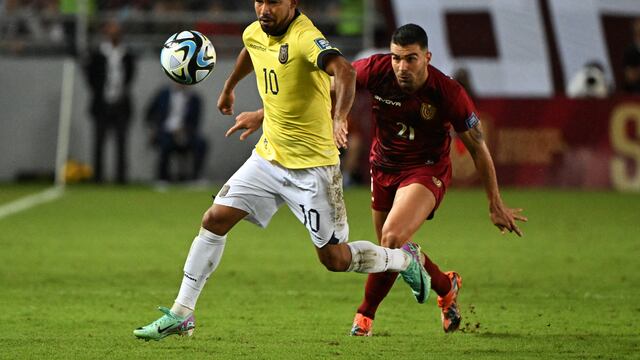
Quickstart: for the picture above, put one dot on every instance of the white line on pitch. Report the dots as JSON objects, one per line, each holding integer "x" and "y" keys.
{"x": 30, "y": 201}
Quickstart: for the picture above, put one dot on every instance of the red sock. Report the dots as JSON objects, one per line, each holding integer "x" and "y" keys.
{"x": 440, "y": 282}
{"x": 377, "y": 287}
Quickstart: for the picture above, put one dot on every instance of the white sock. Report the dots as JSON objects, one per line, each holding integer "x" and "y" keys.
{"x": 204, "y": 257}
{"x": 367, "y": 257}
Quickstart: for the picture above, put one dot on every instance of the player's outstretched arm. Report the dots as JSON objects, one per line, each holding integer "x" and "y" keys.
{"x": 501, "y": 216}
{"x": 242, "y": 68}
{"x": 248, "y": 120}
{"x": 344, "y": 76}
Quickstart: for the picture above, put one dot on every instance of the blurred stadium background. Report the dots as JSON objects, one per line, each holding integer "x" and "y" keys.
{"x": 73, "y": 271}
{"x": 518, "y": 58}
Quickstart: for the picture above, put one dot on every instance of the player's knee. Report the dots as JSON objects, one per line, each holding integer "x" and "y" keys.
{"x": 214, "y": 222}
{"x": 393, "y": 239}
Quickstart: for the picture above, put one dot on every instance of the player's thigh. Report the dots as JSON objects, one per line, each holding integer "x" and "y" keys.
{"x": 315, "y": 197}
{"x": 253, "y": 189}
{"x": 411, "y": 207}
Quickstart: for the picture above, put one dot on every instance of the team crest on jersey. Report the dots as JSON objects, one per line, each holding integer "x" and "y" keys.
{"x": 436, "y": 181}
{"x": 427, "y": 111}
{"x": 283, "y": 57}
{"x": 224, "y": 191}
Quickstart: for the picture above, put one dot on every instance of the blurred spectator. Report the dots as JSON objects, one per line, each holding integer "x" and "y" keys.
{"x": 168, "y": 6}
{"x": 12, "y": 26}
{"x": 24, "y": 22}
{"x": 174, "y": 117}
{"x": 71, "y": 10}
{"x": 350, "y": 17}
{"x": 51, "y": 25}
{"x": 110, "y": 70}
{"x": 464, "y": 170}
{"x": 214, "y": 29}
{"x": 632, "y": 62}
{"x": 355, "y": 162}
{"x": 589, "y": 82}
{"x": 464, "y": 78}
{"x": 355, "y": 159}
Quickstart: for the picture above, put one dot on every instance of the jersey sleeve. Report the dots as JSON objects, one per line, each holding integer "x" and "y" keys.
{"x": 316, "y": 48}
{"x": 362, "y": 67}
{"x": 462, "y": 112}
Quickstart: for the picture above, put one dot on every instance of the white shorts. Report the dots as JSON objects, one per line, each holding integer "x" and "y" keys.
{"x": 314, "y": 195}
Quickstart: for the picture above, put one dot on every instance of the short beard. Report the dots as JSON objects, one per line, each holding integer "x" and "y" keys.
{"x": 271, "y": 31}
{"x": 407, "y": 89}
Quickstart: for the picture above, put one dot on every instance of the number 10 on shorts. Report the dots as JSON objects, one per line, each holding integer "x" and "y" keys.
{"x": 311, "y": 218}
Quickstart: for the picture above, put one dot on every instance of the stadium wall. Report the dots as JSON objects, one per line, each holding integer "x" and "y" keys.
{"x": 30, "y": 102}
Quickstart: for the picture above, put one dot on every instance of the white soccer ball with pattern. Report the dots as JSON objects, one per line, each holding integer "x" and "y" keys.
{"x": 188, "y": 57}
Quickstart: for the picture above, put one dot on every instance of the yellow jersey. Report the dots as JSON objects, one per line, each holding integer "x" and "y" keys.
{"x": 295, "y": 91}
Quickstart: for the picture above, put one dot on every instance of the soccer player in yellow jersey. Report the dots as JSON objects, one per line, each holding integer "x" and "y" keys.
{"x": 295, "y": 162}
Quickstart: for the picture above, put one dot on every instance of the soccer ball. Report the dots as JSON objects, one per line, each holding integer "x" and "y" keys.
{"x": 188, "y": 57}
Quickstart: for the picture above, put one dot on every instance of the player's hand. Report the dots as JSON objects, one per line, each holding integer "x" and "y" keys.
{"x": 225, "y": 102}
{"x": 340, "y": 131}
{"x": 505, "y": 218}
{"x": 249, "y": 120}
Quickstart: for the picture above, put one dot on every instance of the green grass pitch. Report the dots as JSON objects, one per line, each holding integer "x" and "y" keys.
{"x": 78, "y": 274}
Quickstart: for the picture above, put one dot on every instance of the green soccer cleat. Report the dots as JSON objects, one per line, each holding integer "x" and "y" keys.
{"x": 168, "y": 324}
{"x": 415, "y": 275}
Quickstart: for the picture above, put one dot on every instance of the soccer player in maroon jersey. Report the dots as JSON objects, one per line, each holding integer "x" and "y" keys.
{"x": 414, "y": 107}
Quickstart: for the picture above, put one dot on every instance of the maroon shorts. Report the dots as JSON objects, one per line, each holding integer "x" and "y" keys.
{"x": 384, "y": 184}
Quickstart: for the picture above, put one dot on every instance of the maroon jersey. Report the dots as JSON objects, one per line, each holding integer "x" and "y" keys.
{"x": 413, "y": 130}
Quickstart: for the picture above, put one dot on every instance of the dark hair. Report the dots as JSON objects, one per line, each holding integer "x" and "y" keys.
{"x": 410, "y": 34}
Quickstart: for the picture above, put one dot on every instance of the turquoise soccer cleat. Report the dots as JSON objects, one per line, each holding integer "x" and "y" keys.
{"x": 168, "y": 324}
{"x": 415, "y": 275}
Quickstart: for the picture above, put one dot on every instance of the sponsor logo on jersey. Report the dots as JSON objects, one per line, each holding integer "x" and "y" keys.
{"x": 436, "y": 181}
{"x": 283, "y": 56}
{"x": 257, "y": 47}
{"x": 322, "y": 43}
{"x": 427, "y": 111}
{"x": 387, "y": 101}
{"x": 472, "y": 120}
